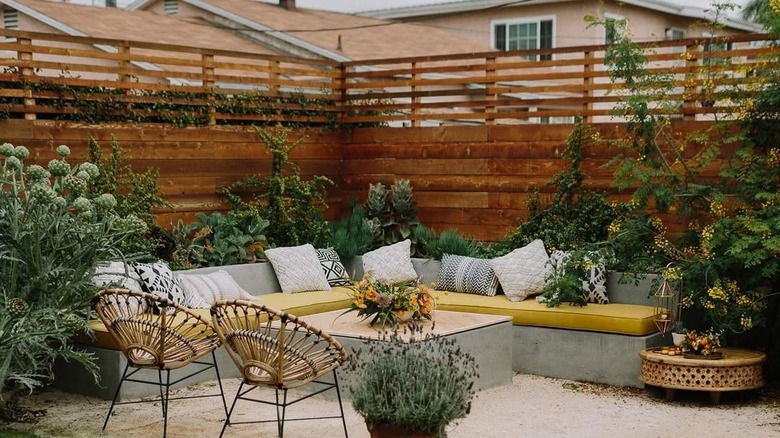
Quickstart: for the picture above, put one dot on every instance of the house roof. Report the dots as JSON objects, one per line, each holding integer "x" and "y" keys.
{"x": 319, "y": 32}
{"x": 143, "y": 26}
{"x": 475, "y": 5}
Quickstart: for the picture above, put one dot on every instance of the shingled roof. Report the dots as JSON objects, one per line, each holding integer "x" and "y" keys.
{"x": 333, "y": 35}
{"x": 133, "y": 25}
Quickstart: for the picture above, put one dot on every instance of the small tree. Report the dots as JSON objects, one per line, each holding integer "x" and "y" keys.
{"x": 291, "y": 205}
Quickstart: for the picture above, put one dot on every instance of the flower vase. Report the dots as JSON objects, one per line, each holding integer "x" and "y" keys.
{"x": 677, "y": 338}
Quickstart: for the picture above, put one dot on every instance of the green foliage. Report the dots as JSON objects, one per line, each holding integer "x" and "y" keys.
{"x": 565, "y": 283}
{"x": 292, "y": 206}
{"x": 218, "y": 240}
{"x": 352, "y": 235}
{"x": 728, "y": 257}
{"x": 136, "y": 194}
{"x": 421, "y": 386}
{"x": 575, "y": 216}
{"x": 451, "y": 242}
{"x": 53, "y": 233}
{"x": 395, "y": 213}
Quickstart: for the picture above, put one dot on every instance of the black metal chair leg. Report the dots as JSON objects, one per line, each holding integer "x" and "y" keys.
{"x": 219, "y": 381}
{"x": 116, "y": 395}
{"x": 165, "y": 402}
{"x": 284, "y": 412}
{"x": 341, "y": 408}
{"x": 230, "y": 412}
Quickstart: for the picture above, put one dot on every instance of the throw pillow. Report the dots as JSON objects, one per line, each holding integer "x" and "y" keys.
{"x": 297, "y": 268}
{"x": 157, "y": 278}
{"x": 206, "y": 289}
{"x": 334, "y": 270}
{"x": 467, "y": 274}
{"x": 117, "y": 274}
{"x": 522, "y": 272}
{"x": 594, "y": 284}
{"x": 390, "y": 264}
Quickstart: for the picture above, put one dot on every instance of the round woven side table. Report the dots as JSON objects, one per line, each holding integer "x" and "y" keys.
{"x": 738, "y": 370}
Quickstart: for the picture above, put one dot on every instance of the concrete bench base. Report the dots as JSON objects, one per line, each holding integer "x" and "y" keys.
{"x": 72, "y": 377}
{"x": 579, "y": 355}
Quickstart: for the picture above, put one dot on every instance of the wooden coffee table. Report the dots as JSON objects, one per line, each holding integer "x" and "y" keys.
{"x": 740, "y": 369}
{"x": 486, "y": 337}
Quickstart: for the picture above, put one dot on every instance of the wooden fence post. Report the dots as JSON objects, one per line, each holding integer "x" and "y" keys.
{"x": 27, "y": 72}
{"x": 490, "y": 91}
{"x": 690, "y": 93}
{"x": 207, "y": 60}
{"x": 416, "y": 100}
{"x": 339, "y": 90}
{"x": 587, "y": 86}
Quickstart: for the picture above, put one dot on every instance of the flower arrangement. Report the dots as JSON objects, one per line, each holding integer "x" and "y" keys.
{"x": 391, "y": 303}
{"x": 704, "y": 344}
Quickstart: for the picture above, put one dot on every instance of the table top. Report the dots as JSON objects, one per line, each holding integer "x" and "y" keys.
{"x": 338, "y": 323}
{"x": 731, "y": 357}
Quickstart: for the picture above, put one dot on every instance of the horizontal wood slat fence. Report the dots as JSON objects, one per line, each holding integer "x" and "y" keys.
{"x": 473, "y": 150}
{"x": 48, "y": 76}
{"x": 475, "y": 179}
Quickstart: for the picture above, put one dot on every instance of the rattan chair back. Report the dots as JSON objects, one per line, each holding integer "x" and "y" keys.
{"x": 274, "y": 348}
{"x": 154, "y": 332}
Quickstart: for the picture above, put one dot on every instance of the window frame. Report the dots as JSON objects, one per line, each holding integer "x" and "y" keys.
{"x": 527, "y": 20}
{"x": 604, "y": 33}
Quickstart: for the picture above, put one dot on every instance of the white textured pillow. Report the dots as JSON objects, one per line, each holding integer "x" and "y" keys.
{"x": 522, "y": 271}
{"x": 203, "y": 290}
{"x": 390, "y": 264}
{"x": 297, "y": 268}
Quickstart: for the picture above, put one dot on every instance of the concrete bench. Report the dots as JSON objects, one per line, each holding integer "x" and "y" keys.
{"x": 598, "y": 343}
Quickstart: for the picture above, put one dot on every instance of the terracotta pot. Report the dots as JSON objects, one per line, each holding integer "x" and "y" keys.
{"x": 394, "y": 431}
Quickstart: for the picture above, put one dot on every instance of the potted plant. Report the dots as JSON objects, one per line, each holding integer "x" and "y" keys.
{"x": 411, "y": 388}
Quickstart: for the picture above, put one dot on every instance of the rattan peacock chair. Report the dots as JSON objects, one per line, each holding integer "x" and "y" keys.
{"x": 275, "y": 349}
{"x": 155, "y": 333}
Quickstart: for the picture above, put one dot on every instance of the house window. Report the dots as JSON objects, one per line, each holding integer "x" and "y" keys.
{"x": 171, "y": 7}
{"x": 525, "y": 35}
{"x": 10, "y": 19}
{"x": 556, "y": 120}
{"x": 674, "y": 33}
{"x": 709, "y": 48}
{"x": 611, "y": 28}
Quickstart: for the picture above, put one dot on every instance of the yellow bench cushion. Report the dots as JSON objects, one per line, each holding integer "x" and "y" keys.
{"x": 298, "y": 304}
{"x": 627, "y": 319}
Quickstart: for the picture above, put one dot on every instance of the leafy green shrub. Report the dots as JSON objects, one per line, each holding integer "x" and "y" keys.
{"x": 52, "y": 236}
{"x": 136, "y": 194}
{"x": 576, "y": 216}
{"x": 451, "y": 242}
{"x": 352, "y": 235}
{"x": 421, "y": 385}
{"x": 219, "y": 240}
{"x": 292, "y": 206}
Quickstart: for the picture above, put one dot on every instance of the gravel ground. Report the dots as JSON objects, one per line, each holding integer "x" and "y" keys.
{"x": 531, "y": 406}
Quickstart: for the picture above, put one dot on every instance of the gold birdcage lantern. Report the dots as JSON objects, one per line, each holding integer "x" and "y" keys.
{"x": 665, "y": 306}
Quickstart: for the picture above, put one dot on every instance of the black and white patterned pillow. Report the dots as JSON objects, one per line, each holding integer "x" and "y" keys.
{"x": 594, "y": 285}
{"x": 467, "y": 275}
{"x": 157, "y": 278}
{"x": 334, "y": 270}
